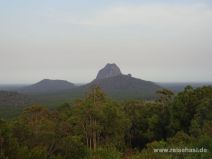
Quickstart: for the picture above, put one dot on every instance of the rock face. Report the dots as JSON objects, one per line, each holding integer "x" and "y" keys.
{"x": 110, "y": 70}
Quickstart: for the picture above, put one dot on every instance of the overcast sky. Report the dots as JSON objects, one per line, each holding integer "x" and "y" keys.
{"x": 157, "y": 40}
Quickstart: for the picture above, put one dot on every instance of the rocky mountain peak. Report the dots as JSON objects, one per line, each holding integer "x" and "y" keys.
{"x": 110, "y": 70}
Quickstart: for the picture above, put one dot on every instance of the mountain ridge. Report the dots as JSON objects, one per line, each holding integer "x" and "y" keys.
{"x": 109, "y": 78}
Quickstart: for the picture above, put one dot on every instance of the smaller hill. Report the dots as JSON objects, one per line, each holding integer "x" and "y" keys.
{"x": 47, "y": 86}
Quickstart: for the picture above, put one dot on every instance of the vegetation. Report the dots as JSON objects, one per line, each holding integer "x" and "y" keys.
{"x": 96, "y": 127}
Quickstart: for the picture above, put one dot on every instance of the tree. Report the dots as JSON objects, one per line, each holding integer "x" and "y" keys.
{"x": 88, "y": 116}
{"x": 73, "y": 148}
{"x": 36, "y": 127}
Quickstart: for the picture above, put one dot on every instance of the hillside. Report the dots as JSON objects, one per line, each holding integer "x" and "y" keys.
{"x": 125, "y": 86}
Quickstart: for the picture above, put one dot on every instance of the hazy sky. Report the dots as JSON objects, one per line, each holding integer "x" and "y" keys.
{"x": 158, "y": 40}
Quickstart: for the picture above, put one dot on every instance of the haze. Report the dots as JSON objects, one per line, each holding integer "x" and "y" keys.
{"x": 161, "y": 41}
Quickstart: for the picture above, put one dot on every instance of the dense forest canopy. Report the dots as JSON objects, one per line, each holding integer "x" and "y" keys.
{"x": 96, "y": 127}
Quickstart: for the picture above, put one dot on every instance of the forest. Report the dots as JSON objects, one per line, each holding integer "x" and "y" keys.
{"x": 97, "y": 127}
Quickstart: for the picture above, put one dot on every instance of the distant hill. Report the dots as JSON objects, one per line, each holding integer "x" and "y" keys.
{"x": 11, "y": 87}
{"x": 47, "y": 86}
{"x": 178, "y": 87}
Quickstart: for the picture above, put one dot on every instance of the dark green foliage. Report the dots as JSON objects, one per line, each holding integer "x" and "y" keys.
{"x": 106, "y": 153}
{"x": 72, "y": 147}
{"x": 95, "y": 127}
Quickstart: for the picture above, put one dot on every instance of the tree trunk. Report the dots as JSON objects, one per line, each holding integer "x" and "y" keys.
{"x": 94, "y": 136}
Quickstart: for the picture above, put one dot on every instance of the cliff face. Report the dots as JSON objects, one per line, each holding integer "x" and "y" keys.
{"x": 110, "y": 70}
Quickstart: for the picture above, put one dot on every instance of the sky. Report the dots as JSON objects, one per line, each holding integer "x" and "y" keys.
{"x": 156, "y": 40}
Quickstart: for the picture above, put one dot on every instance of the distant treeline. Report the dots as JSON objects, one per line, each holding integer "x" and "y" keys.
{"x": 96, "y": 127}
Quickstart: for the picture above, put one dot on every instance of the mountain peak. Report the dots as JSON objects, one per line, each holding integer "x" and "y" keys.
{"x": 110, "y": 70}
